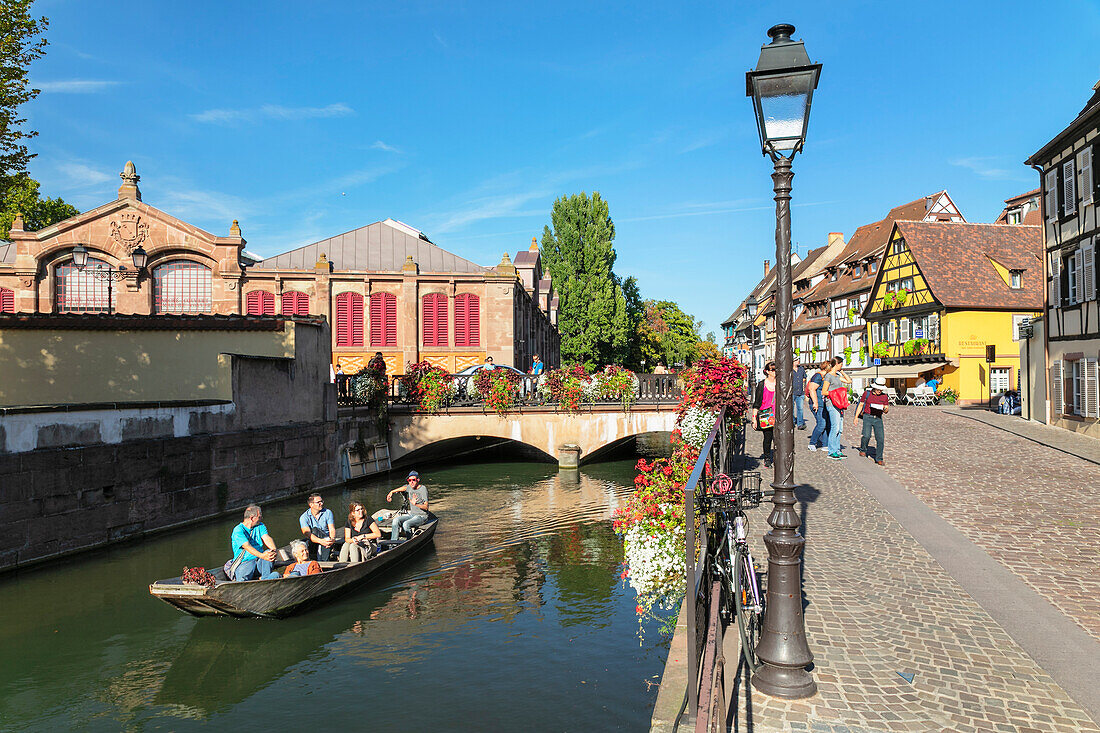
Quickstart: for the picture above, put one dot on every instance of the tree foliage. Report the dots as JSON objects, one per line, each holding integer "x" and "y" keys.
{"x": 594, "y": 311}
{"x": 668, "y": 335}
{"x": 21, "y": 43}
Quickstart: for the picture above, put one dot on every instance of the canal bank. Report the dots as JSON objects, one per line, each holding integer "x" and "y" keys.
{"x": 516, "y": 617}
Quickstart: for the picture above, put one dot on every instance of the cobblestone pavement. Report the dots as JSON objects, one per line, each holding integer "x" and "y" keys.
{"x": 879, "y": 607}
{"x": 1066, "y": 441}
{"x": 1034, "y": 509}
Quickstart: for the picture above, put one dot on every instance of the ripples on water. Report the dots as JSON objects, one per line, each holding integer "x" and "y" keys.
{"x": 514, "y": 619}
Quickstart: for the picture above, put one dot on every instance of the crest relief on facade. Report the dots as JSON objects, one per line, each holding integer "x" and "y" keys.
{"x": 129, "y": 230}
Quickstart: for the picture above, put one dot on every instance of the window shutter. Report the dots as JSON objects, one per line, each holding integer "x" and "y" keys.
{"x": 7, "y": 301}
{"x": 295, "y": 303}
{"x": 356, "y": 319}
{"x": 1084, "y": 163}
{"x": 268, "y": 303}
{"x": 391, "y": 319}
{"x": 376, "y": 316}
{"x": 1051, "y": 200}
{"x": 1079, "y": 274}
{"x": 1088, "y": 282}
{"x": 441, "y": 330}
{"x": 934, "y": 327}
{"x": 904, "y": 329}
{"x": 343, "y": 318}
{"x": 252, "y": 303}
{"x": 473, "y": 318}
{"x": 1056, "y": 404}
{"x": 460, "y": 320}
{"x": 1069, "y": 188}
{"x": 287, "y": 303}
{"x": 1092, "y": 389}
{"x": 428, "y": 320}
{"x": 1056, "y": 278}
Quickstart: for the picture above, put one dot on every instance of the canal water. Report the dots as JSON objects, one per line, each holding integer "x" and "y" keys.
{"x": 516, "y": 619}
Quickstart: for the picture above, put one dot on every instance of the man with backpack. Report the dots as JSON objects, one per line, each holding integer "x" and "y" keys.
{"x": 799, "y": 393}
{"x": 872, "y": 406}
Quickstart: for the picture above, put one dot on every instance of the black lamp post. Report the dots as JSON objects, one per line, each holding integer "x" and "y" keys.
{"x": 80, "y": 259}
{"x": 781, "y": 87}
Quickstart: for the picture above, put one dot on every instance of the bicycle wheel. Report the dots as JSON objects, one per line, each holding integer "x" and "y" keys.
{"x": 748, "y": 600}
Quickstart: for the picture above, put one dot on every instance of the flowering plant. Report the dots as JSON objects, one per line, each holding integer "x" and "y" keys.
{"x": 880, "y": 349}
{"x": 617, "y": 383}
{"x": 653, "y": 529}
{"x": 498, "y": 388}
{"x": 566, "y": 386}
{"x": 902, "y": 296}
{"x": 847, "y": 354}
{"x": 888, "y": 299}
{"x": 948, "y": 395}
{"x": 712, "y": 384}
{"x": 695, "y": 425}
{"x": 427, "y": 386}
{"x": 371, "y": 388}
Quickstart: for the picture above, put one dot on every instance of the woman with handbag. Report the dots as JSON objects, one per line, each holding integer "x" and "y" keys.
{"x": 763, "y": 410}
{"x": 836, "y": 401}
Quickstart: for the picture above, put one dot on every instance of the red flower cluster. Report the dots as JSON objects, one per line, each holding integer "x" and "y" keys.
{"x": 566, "y": 386}
{"x": 713, "y": 384}
{"x": 658, "y": 497}
{"x": 198, "y": 576}
{"x": 498, "y": 388}
{"x": 426, "y": 385}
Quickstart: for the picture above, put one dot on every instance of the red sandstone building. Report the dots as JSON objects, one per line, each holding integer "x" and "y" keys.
{"x": 384, "y": 287}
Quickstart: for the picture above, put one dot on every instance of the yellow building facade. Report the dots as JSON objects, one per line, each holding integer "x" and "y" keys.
{"x": 945, "y": 293}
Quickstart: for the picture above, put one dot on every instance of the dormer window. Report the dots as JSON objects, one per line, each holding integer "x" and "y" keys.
{"x": 873, "y": 268}
{"x": 1013, "y": 217}
{"x": 832, "y": 278}
{"x": 1016, "y": 278}
{"x": 857, "y": 272}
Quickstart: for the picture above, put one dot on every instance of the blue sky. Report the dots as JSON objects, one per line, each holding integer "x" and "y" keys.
{"x": 467, "y": 119}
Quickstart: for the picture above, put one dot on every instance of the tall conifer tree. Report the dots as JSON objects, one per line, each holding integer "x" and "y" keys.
{"x": 593, "y": 313}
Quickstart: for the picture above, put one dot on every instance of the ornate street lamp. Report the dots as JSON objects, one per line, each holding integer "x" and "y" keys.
{"x": 80, "y": 260}
{"x": 781, "y": 87}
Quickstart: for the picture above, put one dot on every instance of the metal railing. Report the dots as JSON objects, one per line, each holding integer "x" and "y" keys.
{"x": 653, "y": 389}
{"x": 721, "y": 454}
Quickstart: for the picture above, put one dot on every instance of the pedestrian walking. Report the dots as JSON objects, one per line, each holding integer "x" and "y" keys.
{"x": 799, "y": 393}
{"x": 872, "y": 406}
{"x": 836, "y": 401}
{"x": 763, "y": 410}
{"x": 817, "y": 405}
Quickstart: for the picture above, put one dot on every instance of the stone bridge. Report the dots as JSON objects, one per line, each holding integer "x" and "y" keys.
{"x": 570, "y": 439}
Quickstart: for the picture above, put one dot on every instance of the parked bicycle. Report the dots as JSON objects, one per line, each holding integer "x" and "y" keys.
{"x": 743, "y": 596}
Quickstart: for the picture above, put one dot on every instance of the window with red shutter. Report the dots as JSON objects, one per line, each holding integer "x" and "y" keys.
{"x": 435, "y": 319}
{"x": 383, "y": 319}
{"x": 7, "y": 301}
{"x": 349, "y": 319}
{"x": 260, "y": 303}
{"x": 467, "y": 320}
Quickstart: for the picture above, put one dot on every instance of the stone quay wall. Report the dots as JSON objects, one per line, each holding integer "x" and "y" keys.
{"x": 61, "y": 500}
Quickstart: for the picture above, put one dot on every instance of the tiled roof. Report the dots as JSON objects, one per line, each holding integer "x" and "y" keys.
{"x": 377, "y": 247}
{"x": 955, "y": 261}
{"x": 805, "y": 322}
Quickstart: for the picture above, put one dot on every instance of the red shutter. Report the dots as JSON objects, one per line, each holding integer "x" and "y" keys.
{"x": 268, "y": 303}
{"x": 376, "y": 326}
{"x": 473, "y": 320}
{"x": 302, "y": 308}
{"x": 295, "y": 304}
{"x": 343, "y": 317}
{"x": 391, "y": 319}
{"x": 356, "y": 319}
{"x": 7, "y": 301}
{"x": 460, "y": 320}
{"x": 441, "y": 320}
{"x": 253, "y": 306}
{"x": 428, "y": 325}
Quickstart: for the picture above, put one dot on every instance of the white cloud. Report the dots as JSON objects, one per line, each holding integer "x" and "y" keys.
{"x": 73, "y": 86}
{"x": 379, "y": 145}
{"x": 490, "y": 207}
{"x": 80, "y": 174}
{"x": 984, "y": 167}
{"x": 272, "y": 112}
{"x": 194, "y": 204}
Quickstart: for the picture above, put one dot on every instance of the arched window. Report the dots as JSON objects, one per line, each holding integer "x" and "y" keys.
{"x": 467, "y": 320}
{"x": 349, "y": 319}
{"x": 435, "y": 319}
{"x": 260, "y": 303}
{"x": 383, "y": 319}
{"x": 7, "y": 301}
{"x": 182, "y": 287}
{"x": 78, "y": 291}
{"x": 295, "y": 303}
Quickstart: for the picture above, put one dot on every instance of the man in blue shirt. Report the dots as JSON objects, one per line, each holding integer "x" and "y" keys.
{"x": 249, "y": 538}
{"x": 319, "y": 527}
{"x": 933, "y": 382}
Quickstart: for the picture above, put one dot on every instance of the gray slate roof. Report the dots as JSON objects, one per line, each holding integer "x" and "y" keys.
{"x": 7, "y": 251}
{"x": 377, "y": 247}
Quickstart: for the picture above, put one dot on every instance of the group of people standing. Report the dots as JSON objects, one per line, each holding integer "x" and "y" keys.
{"x": 826, "y": 391}
{"x": 254, "y": 552}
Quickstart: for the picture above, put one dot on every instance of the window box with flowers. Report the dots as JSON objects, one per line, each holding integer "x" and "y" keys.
{"x": 880, "y": 349}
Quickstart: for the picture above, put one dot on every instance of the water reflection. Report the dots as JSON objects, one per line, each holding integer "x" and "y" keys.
{"x": 515, "y": 613}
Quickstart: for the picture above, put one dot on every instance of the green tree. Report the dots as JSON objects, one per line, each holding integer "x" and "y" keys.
{"x": 21, "y": 43}
{"x": 667, "y": 334}
{"x": 593, "y": 315}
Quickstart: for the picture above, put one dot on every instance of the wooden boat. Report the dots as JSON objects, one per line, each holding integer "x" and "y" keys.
{"x": 281, "y": 597}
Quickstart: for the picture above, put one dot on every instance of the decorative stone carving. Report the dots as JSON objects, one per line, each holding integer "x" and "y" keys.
{"x": 232, "y": 284}
{"x": 27, "y": 281}
{"x": 129, "y": 230}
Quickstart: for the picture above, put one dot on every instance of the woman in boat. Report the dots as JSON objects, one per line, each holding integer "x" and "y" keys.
{"x": 302, "y": 564}
{"x": 359, "y": 535}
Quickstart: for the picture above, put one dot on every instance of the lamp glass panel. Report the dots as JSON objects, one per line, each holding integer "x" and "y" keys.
{"x": 783, "y": 103}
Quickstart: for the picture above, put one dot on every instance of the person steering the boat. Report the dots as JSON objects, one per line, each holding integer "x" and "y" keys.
{"x": 302, "y": 564}
{"x": 249, "y": 538}
{"x": 319, "y": 527}
{"x": 418, "y": 506}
